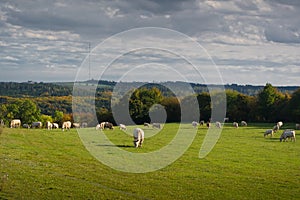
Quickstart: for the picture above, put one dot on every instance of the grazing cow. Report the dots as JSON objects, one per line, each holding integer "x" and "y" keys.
{"x": 269, "y": 132}
{"x": 76, "y": 125}
{"x": 208, "y": 124}
{"x": 226, "y": 119}
{"x": 66, "y": 125}
{"x": 202, "y": 123}
{"x": 297, "y": 126}
{"x": 55, "y": 125}
{"x": 276, "y": 128}
{"x": 156, "y": 125}
{"x": 98, "y": 126}
{"x": 26, "y": 126}
{"x": 235, "y": 124}
{"x": 146, "y": 124}
{"x": 49, "y": 125}
{"x": 138, "y": 137}
{"x": 102, "y": 124}
{"x": 218, "y": 125}
{"x": 36, "y": 125}
{"x": 288, "y": 134}
{"x": 194, "y": 124}
{"x": 83, "y": 125}
{"x": 15, "y": 123}
{"x": 108, "y": 125}
{"x": 122, "y": 127}
{"x": 243, "y": 123}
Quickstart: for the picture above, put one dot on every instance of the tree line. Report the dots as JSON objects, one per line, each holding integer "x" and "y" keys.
{"x": 269, "y": 105}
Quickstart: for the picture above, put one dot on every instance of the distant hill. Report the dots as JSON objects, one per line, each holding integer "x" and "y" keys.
{"x": 34, "y": 89}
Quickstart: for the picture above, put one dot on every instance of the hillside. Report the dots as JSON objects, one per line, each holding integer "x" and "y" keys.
{"x": 34, "y": 89}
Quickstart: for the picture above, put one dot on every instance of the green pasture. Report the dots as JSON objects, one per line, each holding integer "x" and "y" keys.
{"x": 43, "y": 164}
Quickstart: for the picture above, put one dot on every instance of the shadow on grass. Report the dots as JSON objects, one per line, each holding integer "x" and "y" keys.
{"x": 111, "y": 145}
{"x": 272, "y": 139}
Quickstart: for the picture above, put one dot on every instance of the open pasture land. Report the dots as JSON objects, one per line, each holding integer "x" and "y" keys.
{"x": 43, "y": 164}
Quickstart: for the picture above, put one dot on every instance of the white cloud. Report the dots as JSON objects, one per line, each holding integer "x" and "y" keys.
{"x": 242, "y": 36}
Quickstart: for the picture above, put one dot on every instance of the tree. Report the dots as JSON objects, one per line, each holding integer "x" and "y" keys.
{"x": 293, "y": 107}
{"x": 58, "y": 117}
{"x": 172, "y": 108}
{"x": 239, "y": 106}
{"x": 28, "y": 111}
{"x": 267, "y": 100}
{"x": 204, "y": 106}
{"x": 140, "y": 103}
{"x": 46, "y": 118}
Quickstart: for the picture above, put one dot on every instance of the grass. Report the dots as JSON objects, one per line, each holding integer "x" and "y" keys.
{"x": 44, "y": 164}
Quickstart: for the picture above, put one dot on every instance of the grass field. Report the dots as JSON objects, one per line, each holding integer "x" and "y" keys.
{"x": 43, "y": 164}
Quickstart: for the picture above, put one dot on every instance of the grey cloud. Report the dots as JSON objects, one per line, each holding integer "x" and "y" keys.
{"x": 282, "y": 34}
{"x": 35, "y": 34}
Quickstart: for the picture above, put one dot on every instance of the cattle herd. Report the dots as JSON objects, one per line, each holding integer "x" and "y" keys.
{"x": 138, "y": 133}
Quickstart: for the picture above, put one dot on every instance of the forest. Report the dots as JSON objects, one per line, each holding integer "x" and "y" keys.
{"x": 53, "y": 102}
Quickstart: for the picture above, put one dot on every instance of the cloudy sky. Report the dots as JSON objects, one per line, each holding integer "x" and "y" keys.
{"x": 251, "y": 42}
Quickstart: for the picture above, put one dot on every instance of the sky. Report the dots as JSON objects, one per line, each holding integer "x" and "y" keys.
{"x": 243, "y": 42}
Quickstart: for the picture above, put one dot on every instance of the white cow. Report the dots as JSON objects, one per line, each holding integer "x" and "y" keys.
{"x": 235, "y": 124}
{"x": 208, "y": 124}
{"x": 194, "y": 124}
{"x": 36, "y": 125}
{"x": 288, "y": 134}
{"x": 55, "y": 125}
{"x": 49, "y": 125}
{"x": 15, "y": 123}
{"x": 218, "y": 125}
{"x": 243, "y": 123}
{"x": 280, "y": 124}
{"x": 76, "y": 125}
{"x": 102, "y": 125}
{"x": 276, "y": 128}
{"x": 26, "y": 126}
{"x": 66, "y": 125}
{"x": 146, "y": 124}
{"x": 269, "y": 132}
{"x": 98, "y": 127}
{"x": 138, "y": 137}
{"x": 84, "y": 125}
{"x": 122, "y": 127}
{"x": 156, "y": 125}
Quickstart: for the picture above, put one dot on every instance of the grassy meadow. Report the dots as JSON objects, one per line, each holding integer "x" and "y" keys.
{"x": 42, "y": 164}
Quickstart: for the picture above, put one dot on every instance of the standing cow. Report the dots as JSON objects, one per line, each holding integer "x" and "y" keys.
{"x": 66, "y": 125}
{"x": 138, "y": 137}
{"x": 49, "y": 125}
{"x": 15, "y": 123}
